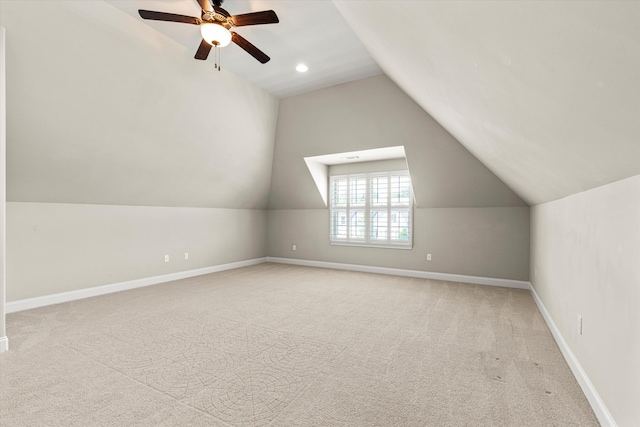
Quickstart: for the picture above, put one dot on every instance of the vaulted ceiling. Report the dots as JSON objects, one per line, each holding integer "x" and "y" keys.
{"x": 109, "y": 111}
{"x": 546, "y": 94}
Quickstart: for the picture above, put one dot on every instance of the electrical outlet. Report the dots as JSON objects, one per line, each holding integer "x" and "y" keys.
{"x": 294, "y": 247}
{"x": 186, "y": 255}
{"x": 428, "y": 257}
{"x": 579, "y": 325}
{"x": 166, "y": 258}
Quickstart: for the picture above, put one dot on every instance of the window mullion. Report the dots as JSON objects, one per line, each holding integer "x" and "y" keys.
{"x": 348, "y": 237}
{"x": 389, "y": 208}
{"x": 367, "y": 192}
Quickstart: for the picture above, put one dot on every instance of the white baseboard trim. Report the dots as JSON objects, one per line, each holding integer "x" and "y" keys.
{"x": 602, "y": 413}
{"x": 599, "y": 408}
{"x": 29, "y": 303}
{"x": 505, "y": 283}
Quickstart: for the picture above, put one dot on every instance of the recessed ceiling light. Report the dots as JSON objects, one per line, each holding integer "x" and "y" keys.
{"x": 301, "y": 68}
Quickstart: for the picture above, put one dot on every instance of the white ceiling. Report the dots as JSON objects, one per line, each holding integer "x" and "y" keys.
{"x": 311, "y": 32}
{"x": 545, "y": 93}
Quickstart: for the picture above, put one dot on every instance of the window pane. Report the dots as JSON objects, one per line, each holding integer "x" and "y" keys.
{"x": 339, "y": 192}
{"x": 379, "y": 190}
{"x": 400, "y": 189}
{"x": 358, "y": 191}
{"x": 339, "y": 224}
{"x": 371, "y": 209}
{"x": 357, "y": 224}
{"x": 400, "y": 224}
{"x": 379, "y": 226}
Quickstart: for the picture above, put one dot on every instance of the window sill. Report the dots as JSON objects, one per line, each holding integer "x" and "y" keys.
{"x": 369, "y": 245}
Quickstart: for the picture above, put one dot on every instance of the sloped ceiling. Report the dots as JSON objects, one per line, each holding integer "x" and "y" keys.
{"x": 545, "y": 93}
{"x": 103, "y": 109}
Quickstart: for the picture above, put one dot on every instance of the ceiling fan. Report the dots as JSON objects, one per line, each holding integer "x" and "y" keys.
{"x": 216, "y": 24}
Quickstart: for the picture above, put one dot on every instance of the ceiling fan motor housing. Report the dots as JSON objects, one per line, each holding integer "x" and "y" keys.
{"x": 217, "y": 17}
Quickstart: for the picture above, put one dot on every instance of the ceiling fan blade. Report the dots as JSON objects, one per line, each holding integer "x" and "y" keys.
{"x": 251, "y": 49}
{"x": 203, "y": 50}
{"x": 170, "y": 17}
{"x": 255, "y": 18}
{"x": 205, "y": 5}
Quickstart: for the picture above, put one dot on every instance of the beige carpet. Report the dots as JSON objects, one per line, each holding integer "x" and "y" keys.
{"x": 290, "y": 346}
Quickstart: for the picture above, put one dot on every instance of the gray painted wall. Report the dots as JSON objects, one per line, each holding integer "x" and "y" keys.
{"x": 375, "y": 113}
{"x": 585, "y": 252}
{"x": 106, "y": 112}
{"x": 54, "y": 247}
{"x": 486, "y": 242}
{"x": 3, "y": 184}
{"x": 466, "y": 218}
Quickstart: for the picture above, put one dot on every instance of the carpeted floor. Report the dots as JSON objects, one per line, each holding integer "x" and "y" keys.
{"x": 282, "y": 345}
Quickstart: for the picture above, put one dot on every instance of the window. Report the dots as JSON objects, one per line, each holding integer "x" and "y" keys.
{"x": 372, "y": 209}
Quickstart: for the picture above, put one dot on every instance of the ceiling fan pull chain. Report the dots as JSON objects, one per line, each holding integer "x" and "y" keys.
{"x": 218, "y": 57}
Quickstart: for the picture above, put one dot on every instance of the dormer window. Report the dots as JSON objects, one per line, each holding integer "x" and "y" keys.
{"x": 371, "y": 209}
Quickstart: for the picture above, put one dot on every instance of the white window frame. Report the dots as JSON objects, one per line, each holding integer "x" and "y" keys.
{"x": 367, "y": 241}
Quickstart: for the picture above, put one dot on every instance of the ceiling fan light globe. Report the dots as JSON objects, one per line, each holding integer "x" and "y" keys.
{"x": 215, "y": 34}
